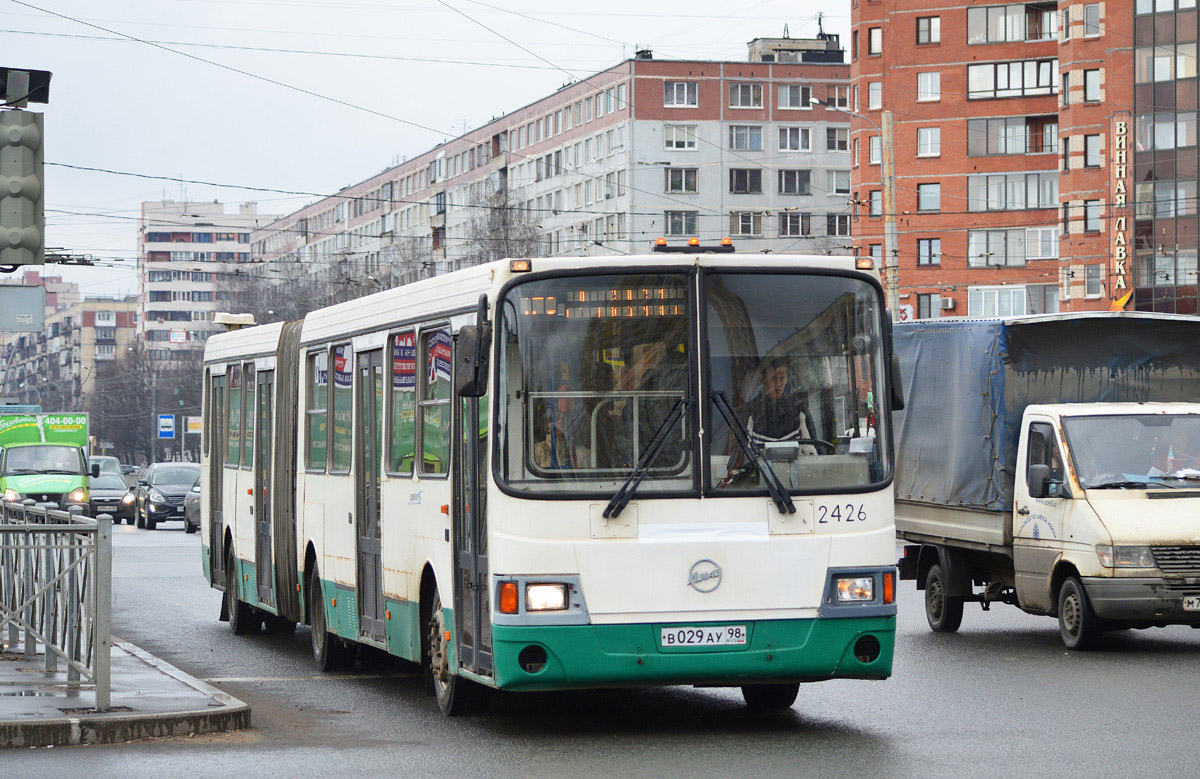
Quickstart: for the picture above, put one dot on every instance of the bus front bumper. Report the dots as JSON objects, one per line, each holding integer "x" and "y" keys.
{"x": 578, "y": 656}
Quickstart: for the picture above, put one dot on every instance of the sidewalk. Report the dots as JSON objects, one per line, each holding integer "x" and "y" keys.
{"x": 150, "y": 698}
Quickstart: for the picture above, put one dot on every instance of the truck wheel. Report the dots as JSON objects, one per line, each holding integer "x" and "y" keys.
{"x": 770, "y": 697}
{"x": 943, "y": 611}
{"x": 1078, "y": 625}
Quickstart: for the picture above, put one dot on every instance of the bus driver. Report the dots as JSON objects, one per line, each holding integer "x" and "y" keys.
{"x": 775, "y": 415}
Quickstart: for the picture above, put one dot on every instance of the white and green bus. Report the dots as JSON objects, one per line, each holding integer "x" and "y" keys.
{"x": 567, "y": 473}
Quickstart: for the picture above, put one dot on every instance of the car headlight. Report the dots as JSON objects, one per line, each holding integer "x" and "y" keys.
{"x": 156, "y": 496}
{"x": 78, "y": 495}
{"x": 125, "y": 501}
{"x": 855, "y": 589}
{"x": 12, "y": 496}
{"x": 1125, "y": 556}
{"x": 545, "y": 597}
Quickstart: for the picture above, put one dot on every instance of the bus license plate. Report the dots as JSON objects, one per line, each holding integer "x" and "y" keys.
{"x": 723, "y": 635}
{"x": 1191, "y": 602}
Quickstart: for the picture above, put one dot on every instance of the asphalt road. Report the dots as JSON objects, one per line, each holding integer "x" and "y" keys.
{"x": 1000, "y": 698}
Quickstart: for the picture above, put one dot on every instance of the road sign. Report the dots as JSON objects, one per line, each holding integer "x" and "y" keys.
{"x": 177, "y": 337}
{"x": 166, "y": 425}
{"x": 195, "y": 425}
{"x": 22, "y": 309}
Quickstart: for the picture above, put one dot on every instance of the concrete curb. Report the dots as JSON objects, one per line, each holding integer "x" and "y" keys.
{"x": 117, "y": 727}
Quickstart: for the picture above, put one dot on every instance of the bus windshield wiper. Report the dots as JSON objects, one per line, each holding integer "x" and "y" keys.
{"x": 621, "y": 499}
{"x": 783, "y": 501}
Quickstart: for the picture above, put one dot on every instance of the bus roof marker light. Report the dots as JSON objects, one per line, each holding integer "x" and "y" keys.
{"x": 693, "y": 242}
{"x": 727, "y": 241}
{"x": 661, "y": 242}
{"x": 864, "y": 263}
{"x": 520, "y": 266}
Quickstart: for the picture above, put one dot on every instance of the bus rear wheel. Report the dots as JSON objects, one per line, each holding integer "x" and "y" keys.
{"x": 770, "y": 697}
{"x": 241, "y": 615}
{"x": 328, "y": 651}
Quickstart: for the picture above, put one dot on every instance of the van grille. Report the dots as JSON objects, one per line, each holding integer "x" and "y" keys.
{"x": 1177, "y": 559}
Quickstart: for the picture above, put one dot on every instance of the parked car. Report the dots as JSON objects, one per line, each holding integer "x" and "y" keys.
{"x": 107, "y": 495}
{"x": 191, "y": 509}
{"x": 161, "y": 490}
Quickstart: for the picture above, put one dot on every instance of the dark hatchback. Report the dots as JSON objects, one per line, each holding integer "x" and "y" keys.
{"x": 106, "y": 495}
{"x": 161, "y": 492}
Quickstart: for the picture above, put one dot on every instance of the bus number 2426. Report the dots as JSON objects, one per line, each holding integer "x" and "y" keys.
{"x": 841, "y": 512}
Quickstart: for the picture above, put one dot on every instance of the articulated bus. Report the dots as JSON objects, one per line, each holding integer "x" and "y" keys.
{"x": 568, "y": 473}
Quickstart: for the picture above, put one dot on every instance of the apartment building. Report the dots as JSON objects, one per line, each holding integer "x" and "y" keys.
{"x": 186, "y": 250}
{"x": 646, "y": 149}
{"x": 1044, "y": 154}
{"x": 57, "y": 368}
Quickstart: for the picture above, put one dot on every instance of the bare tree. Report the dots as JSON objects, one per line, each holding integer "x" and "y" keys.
{"x": 499, "y": 227}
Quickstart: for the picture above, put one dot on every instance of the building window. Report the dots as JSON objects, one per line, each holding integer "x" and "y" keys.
{"x": 1093, "y": 216}
{"x": 1012, "y": 135}
{"x": 929, "y": 197}
{"x": 681, "y": 222}
{"x": 1091, "y": 20}
{"x": 745, "y": 96}
{"x": 795, "y": 96}
{"x": 1164, "y": 62}
{"x": 795, "y": 139}
{"x": 676, "y": 94}
{"x": 838, "y": 96}
{"x": 992, "y": 302}
{"x": 837, "y": 224}
{"x": 929, "y": 141}
{"x": 1011, "y": 23}
{"x": 874, "y": 95}
{"x": 795, "y": 182}
{"x": 1165, "y": 199}
{"x": 793, "y": 224}
{"x": 1092, "y": 286}
{"x": 1092, "y": 155}
{"x": 929, "y": 87}
{"x": 929, "y": 305}
{"x": 875, "y": 203}
{"x": 746, "y": 223}
{"x": 874, "y": 41}
{"x": 680, "y": 180}
{"x": 679, "y": 136}
{"x": 839, "y": 182}
{"x": 1012, "y": 79}
{"x": 837, "y": 139}
{"x": 929, "y": 251}
{"x": 1012, "y": 191}
{"x": 929, "y": 29}
{"x": 1091, "y": 85}
{"x": 745, "y": 137}
{"x": 1160, "y": 131}
{"x": 745, "y": 181}
{"x": 874, "y": 150}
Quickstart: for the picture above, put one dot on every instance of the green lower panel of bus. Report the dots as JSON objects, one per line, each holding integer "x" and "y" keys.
{"x": 776, "y": 650}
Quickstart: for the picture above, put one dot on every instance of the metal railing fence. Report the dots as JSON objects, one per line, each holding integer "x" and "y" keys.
{"x": 56, "y": 590}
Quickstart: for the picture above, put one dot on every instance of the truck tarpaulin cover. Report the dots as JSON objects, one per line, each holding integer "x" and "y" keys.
{"x": 967, "y": 383}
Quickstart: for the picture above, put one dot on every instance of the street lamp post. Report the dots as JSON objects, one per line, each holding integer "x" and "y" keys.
{"x": 890, "y": 263}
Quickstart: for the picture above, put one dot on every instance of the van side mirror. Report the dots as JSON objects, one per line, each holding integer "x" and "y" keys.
{"x": 95, "y": 470}
{"x": 897, "y": 384}
{"x": 1037, "y": 477}
{"x": 471, "y": 346}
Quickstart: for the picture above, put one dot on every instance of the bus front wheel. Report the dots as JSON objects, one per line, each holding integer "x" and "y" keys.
{"x": 770, "y": 697}
{"x": 455, "y": 695}
{"x": 241, "y": 615}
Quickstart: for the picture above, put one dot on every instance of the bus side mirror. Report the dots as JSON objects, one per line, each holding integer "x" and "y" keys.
{"x": 471, "y": 355}
{"x": 897, "y": 385}
{"x": 95, "y": 470}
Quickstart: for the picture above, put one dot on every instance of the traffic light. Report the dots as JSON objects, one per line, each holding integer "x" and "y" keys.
{"x": 22, "y": 221}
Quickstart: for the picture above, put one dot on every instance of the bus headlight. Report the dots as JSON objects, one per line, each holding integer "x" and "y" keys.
{"x": 854, "y": 589}
{"x": 545, "y": 597}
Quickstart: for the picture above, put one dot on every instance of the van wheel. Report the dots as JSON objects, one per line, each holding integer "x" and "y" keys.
{"x": 241, "y": 615}
{"x": 1078, "y": 625}
{"x": 944, "y": 612}
{"x": 328, "y": 650}
{"x": 770, "y": 697}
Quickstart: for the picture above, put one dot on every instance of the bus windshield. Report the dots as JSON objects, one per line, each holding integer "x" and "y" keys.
{"x": 590, "y": 368}
{"x": 46, "y": 458}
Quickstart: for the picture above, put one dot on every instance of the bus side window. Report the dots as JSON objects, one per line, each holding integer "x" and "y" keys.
{"x": 343, "y": 409}
{"x": 317, "y": 411}
{"x": 247, "y": 414}
{"x": 435, "y": 401}
{"x": 233, "y": 454}
{"x": 402, "y": 445}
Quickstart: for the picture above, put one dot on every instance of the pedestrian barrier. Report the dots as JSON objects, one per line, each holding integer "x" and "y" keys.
{"x": 56, "y": 590}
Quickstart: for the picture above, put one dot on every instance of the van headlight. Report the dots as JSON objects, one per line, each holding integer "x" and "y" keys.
{"x": 1125, "y": 556}
{"x": 545, "y": 597}
{"x": 78, "y": 495}
{"x": 12, "y": 496}
{"x": 854, "y": 589}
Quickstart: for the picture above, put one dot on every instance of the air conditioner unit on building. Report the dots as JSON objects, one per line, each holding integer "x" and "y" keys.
{"x": 947, "y": 304}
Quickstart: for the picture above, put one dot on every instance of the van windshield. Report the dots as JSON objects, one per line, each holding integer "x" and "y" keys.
{"x": 43, "y": 458}
{"x": 1127, "y": 450}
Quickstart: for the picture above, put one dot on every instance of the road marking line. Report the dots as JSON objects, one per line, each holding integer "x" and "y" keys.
{"x": 326, "y": 677}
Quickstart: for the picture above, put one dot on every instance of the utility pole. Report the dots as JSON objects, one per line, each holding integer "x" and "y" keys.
{"x": 154, "y": 416}
{"x": 891, "y": 261}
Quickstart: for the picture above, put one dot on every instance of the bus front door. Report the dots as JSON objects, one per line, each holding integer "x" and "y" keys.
{"x": 369, "y": 459}
{"x": 218, "y": 424}
{"x": 472, "y": 606}
{"x": 264, "y": 430}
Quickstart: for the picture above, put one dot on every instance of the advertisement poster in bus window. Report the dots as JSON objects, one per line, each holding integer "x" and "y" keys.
{"x": 318, "y": 399}
{"x": 404, "y": 402}
{"x": 439, "y": 365}
{"x": 435, "y": 418}
{"x": 343, "y": 405}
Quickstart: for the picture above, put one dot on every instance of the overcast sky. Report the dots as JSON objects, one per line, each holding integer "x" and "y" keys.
{"x": 310, "y": 95}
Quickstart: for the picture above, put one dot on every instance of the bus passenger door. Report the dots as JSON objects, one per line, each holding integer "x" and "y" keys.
{"x": 217, "y": 430}
{"x": 368, "y": 453}
{"x": 472, "y": 608}
{"x": 263, "y": 431}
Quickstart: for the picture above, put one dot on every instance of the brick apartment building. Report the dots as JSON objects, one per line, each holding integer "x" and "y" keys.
{"x": 646, "y": 149}
{"x": 1045, "y": 154}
